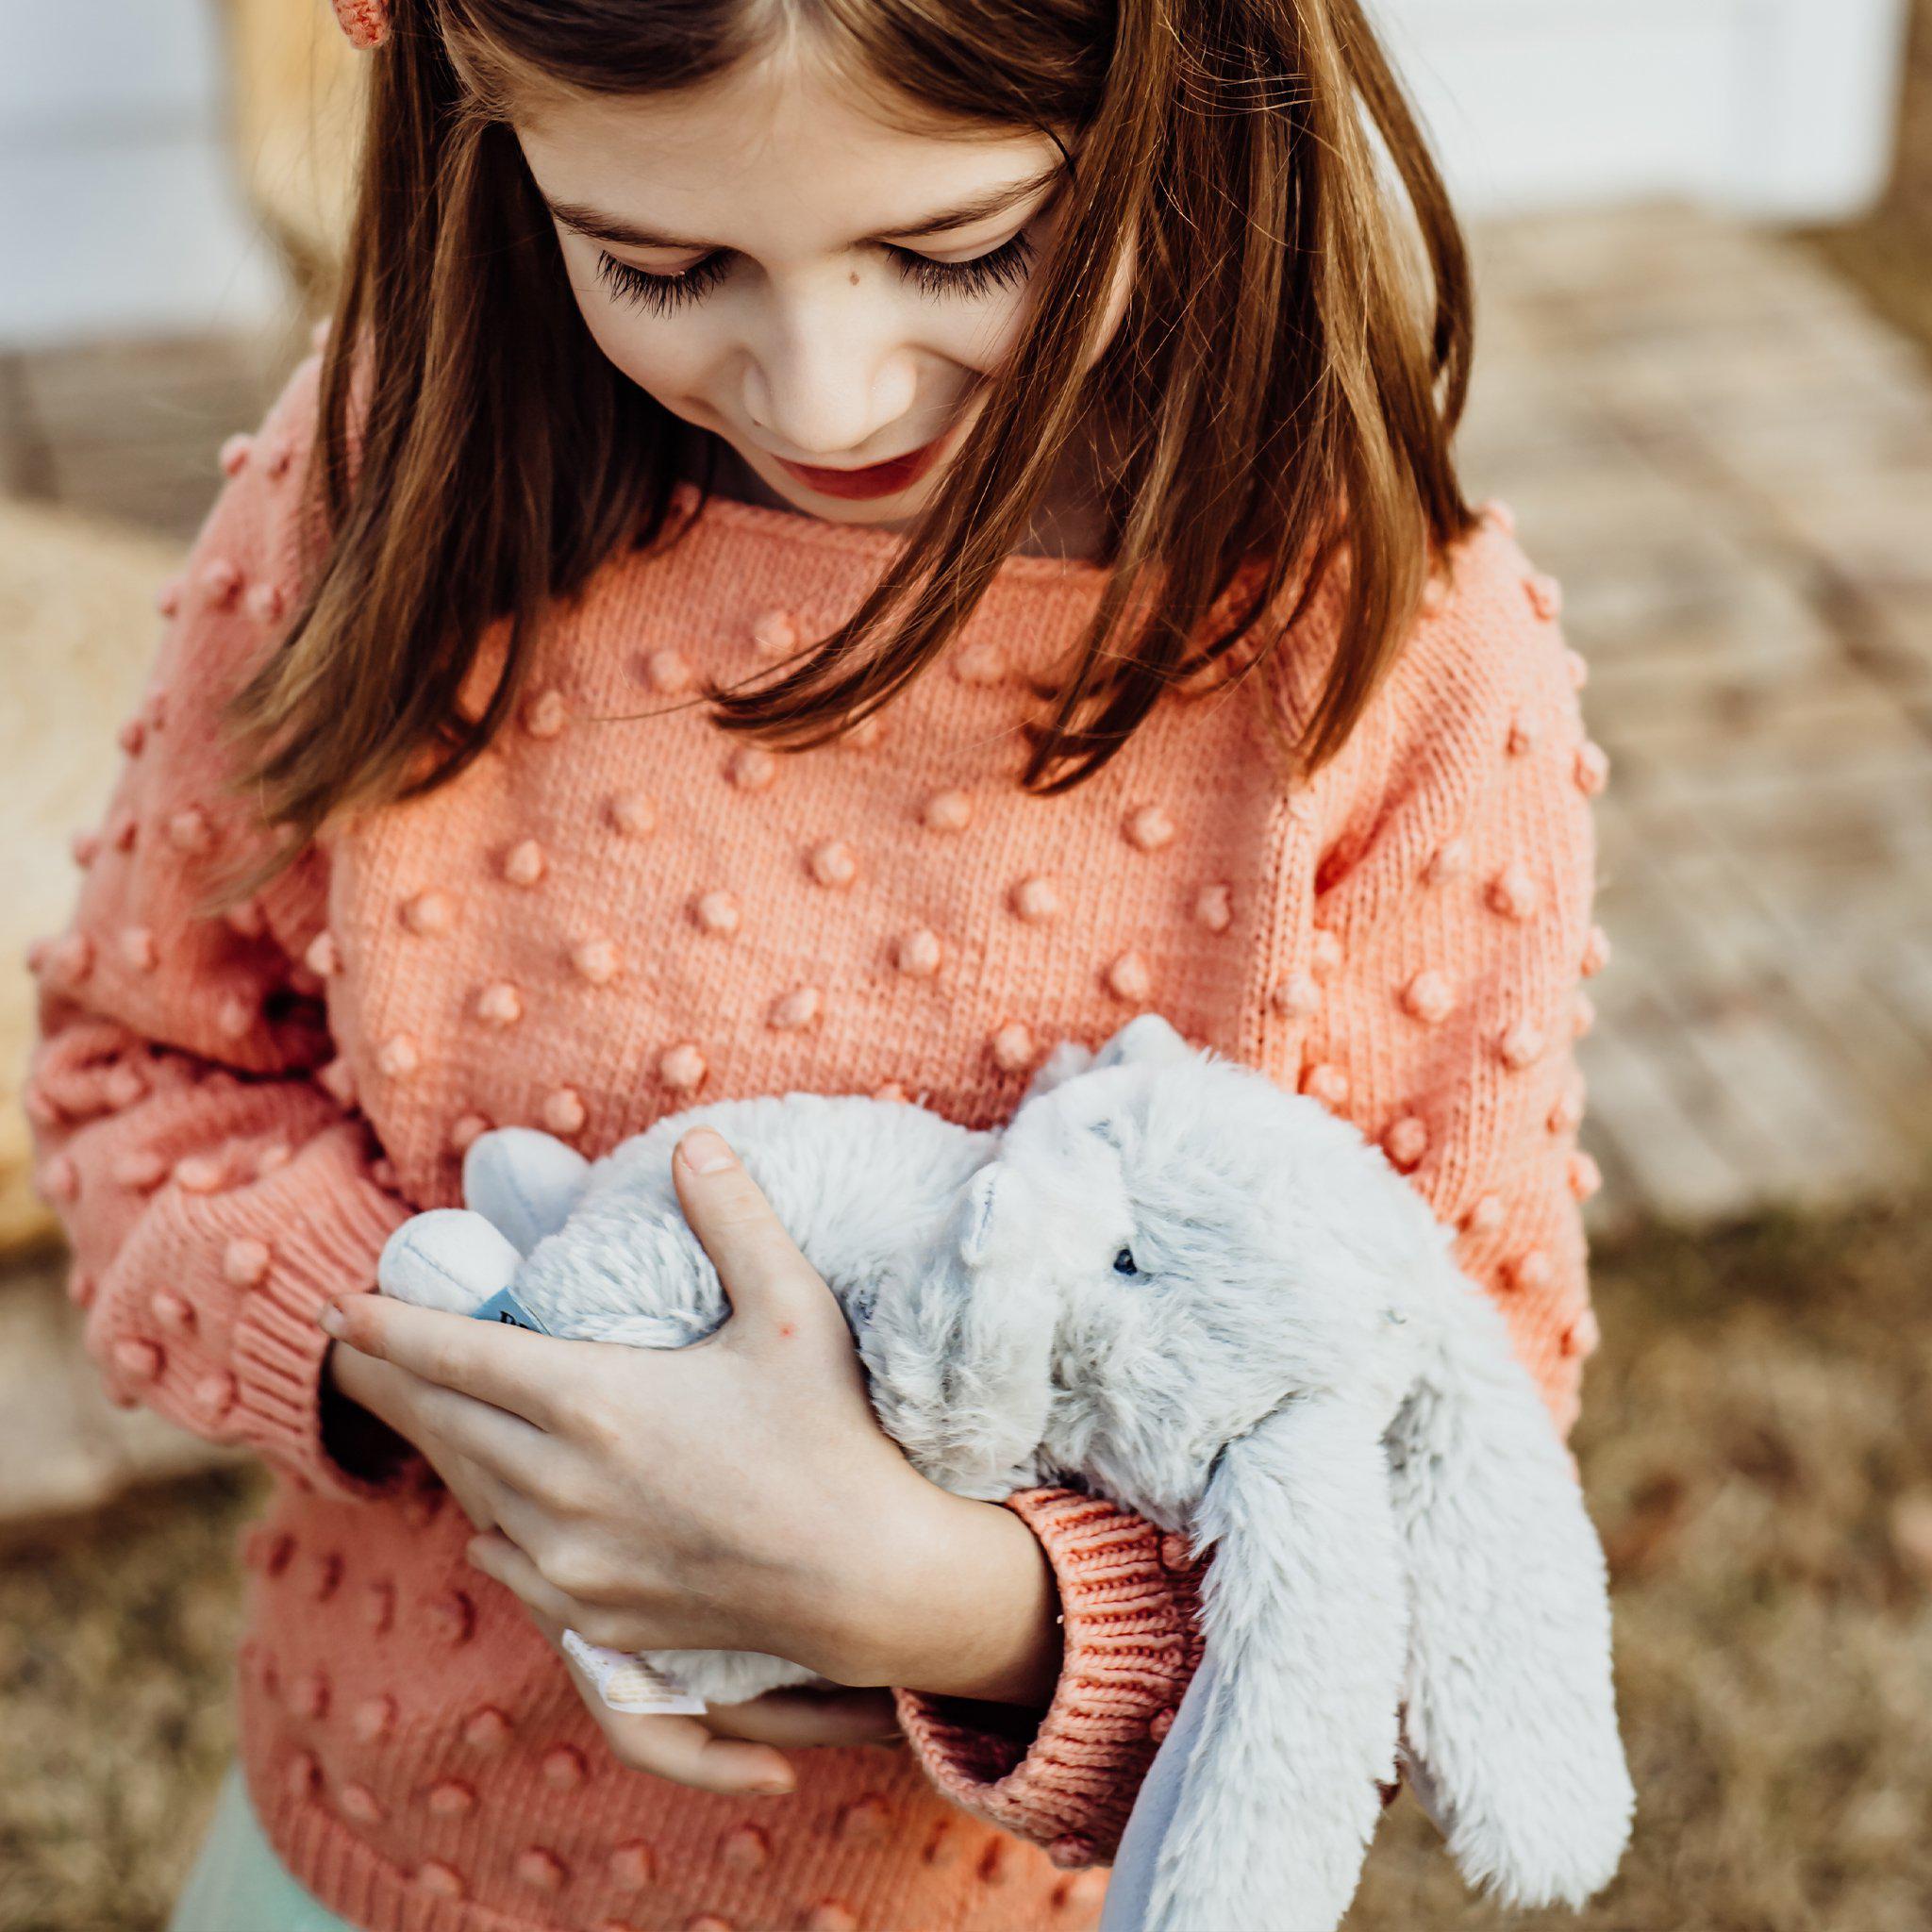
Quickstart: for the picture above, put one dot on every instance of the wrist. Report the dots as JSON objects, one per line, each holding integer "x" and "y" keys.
{"x": 971, "y": 1608}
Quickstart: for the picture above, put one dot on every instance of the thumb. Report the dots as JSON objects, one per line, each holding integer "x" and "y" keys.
{"x": 773, "y": 1290}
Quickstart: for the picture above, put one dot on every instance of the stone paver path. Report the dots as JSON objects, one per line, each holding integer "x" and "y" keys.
{"x": 1728, "y": 462}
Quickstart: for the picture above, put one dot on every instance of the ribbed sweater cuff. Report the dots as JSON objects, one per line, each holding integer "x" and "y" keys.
{"x": 1128, "y": 1596}
{"x": 278, "y": 1345}
{"x": 207, "y": 1312}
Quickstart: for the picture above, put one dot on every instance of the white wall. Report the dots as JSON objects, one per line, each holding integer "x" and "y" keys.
{"x": 1782, "y": 109}
{"x": 118, "y": 215}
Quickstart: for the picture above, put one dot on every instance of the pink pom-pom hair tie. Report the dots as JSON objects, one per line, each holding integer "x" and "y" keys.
{"x": 365, "y": 22}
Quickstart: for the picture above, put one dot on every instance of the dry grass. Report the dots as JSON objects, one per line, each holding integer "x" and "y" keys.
{"x": 1757, "y": 1440}
{"x": 1758, "y": 1445}
{"x": 116, "y": 1644}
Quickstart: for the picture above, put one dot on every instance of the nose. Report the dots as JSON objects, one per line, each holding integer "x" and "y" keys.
{"x": 830, "y": 374}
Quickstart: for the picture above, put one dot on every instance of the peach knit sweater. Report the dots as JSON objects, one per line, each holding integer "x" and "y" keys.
{"x": 604, "y": 921}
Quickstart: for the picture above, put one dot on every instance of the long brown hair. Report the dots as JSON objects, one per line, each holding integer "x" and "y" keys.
{"x": 1284, "y": 384}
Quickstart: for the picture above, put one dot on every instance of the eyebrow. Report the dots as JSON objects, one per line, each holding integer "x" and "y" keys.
{"x": 600, "y": 226}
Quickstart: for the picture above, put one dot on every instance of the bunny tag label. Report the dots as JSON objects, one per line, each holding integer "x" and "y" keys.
{"x": 629, "y": 1683}
{"x": 503, "y": 1306}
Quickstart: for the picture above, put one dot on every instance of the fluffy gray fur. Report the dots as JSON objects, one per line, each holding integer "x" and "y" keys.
{"x": 1297, "y": 1376}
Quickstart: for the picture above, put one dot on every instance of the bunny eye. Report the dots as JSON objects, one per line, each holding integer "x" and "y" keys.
{"x": 1123, "y": 1263}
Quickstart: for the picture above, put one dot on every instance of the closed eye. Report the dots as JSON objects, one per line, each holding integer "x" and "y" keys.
{"x": 1003, "y": 267}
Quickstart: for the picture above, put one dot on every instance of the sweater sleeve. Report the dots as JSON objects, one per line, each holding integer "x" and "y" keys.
{"x": 1452, "y": 934}
{"x": 214, "y": 1189}
{"x": 1432, "y": 980}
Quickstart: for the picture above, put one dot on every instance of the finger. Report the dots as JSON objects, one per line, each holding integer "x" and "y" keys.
{"x": 798, "y": 1718}
{"x": 528, "y": 1375}
{"x": 384, "y": 1392}
{"x": 388, "y": 1393}
{"x": 684, "y": 1749}
{"x": 793, "y": 1718}
{"x": 773, "y": 1289}
{"x": 498, "y": 1555}
{"x": 433, "y": 1422}
{"x": 478, "y": 1493}
{"x": 441, "y": 1422}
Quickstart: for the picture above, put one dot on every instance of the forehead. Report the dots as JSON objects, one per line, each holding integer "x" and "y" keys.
{"x": 783, "y": 154}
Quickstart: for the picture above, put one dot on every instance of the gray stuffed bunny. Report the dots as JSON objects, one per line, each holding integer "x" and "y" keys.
{"x": 1172, "y": 1283}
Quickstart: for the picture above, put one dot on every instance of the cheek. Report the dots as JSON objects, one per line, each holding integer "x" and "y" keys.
{"x": 662, "y": 354}
{"x": 664, "y": 357}
{"x": 972, "y": 335}
{"x": 987, "y": 329}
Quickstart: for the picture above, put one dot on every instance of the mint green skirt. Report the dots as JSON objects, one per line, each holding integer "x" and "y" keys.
{"x": 239, "y": 1885}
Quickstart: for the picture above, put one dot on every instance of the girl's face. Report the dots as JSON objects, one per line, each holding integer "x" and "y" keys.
{"x": 774, "y": 266}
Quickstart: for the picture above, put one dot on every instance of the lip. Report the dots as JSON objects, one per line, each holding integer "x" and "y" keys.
{"x": 874, "y": 479}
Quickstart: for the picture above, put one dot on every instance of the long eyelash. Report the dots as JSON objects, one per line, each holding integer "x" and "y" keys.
{"x": 659, "y": 294}
{"x": 1006, "y": 266}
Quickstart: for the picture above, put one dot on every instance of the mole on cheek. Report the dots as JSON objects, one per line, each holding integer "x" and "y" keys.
{"x": 854, "y": 279}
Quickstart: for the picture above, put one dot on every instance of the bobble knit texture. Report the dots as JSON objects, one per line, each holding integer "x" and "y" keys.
{"x": 612, "y": 916}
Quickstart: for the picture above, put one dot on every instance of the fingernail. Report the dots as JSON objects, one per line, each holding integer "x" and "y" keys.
{"x": 330, "y": 1318}
{"x": 704, "y": 1151}
{"x": 773, "y": 1787}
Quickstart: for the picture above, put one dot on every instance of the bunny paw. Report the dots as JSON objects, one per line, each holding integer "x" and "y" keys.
{"x": 523, "y": 1181}
{"x": 448, "y": 1259}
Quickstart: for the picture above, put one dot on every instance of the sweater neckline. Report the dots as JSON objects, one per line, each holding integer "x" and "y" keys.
{"x": 877, "y": 546}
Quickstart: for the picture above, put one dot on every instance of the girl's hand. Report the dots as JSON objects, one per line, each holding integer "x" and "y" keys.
{"x": 727, "y": 1750}
{"x": 737, "y": 1494}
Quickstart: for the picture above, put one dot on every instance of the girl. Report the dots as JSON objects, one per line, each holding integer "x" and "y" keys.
{"x": 828, "y": 546}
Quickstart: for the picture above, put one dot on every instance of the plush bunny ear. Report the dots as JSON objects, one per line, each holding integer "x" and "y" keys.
{"x": 1146, "y": 1039}
{"x": 1259, "y": 1806}
{"x": 996, "y": 1355}
{"x": 959, "y": 1351}
{"x": 1511, "y": 1725}
{"x": 525, "y": 1182}
{"x": 447, "y": 1258}
{"x": 1067, "y": 1060}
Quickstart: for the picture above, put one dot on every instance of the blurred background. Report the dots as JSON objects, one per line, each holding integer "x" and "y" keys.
{"x": 1703, "y": 232}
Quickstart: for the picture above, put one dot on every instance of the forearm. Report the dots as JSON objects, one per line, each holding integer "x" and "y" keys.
{"x": 1063, "y": 1774}
{"x": 978, "y": 1612}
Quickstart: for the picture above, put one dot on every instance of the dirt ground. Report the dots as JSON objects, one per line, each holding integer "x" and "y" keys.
{"x": 1757, "y": 1446}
